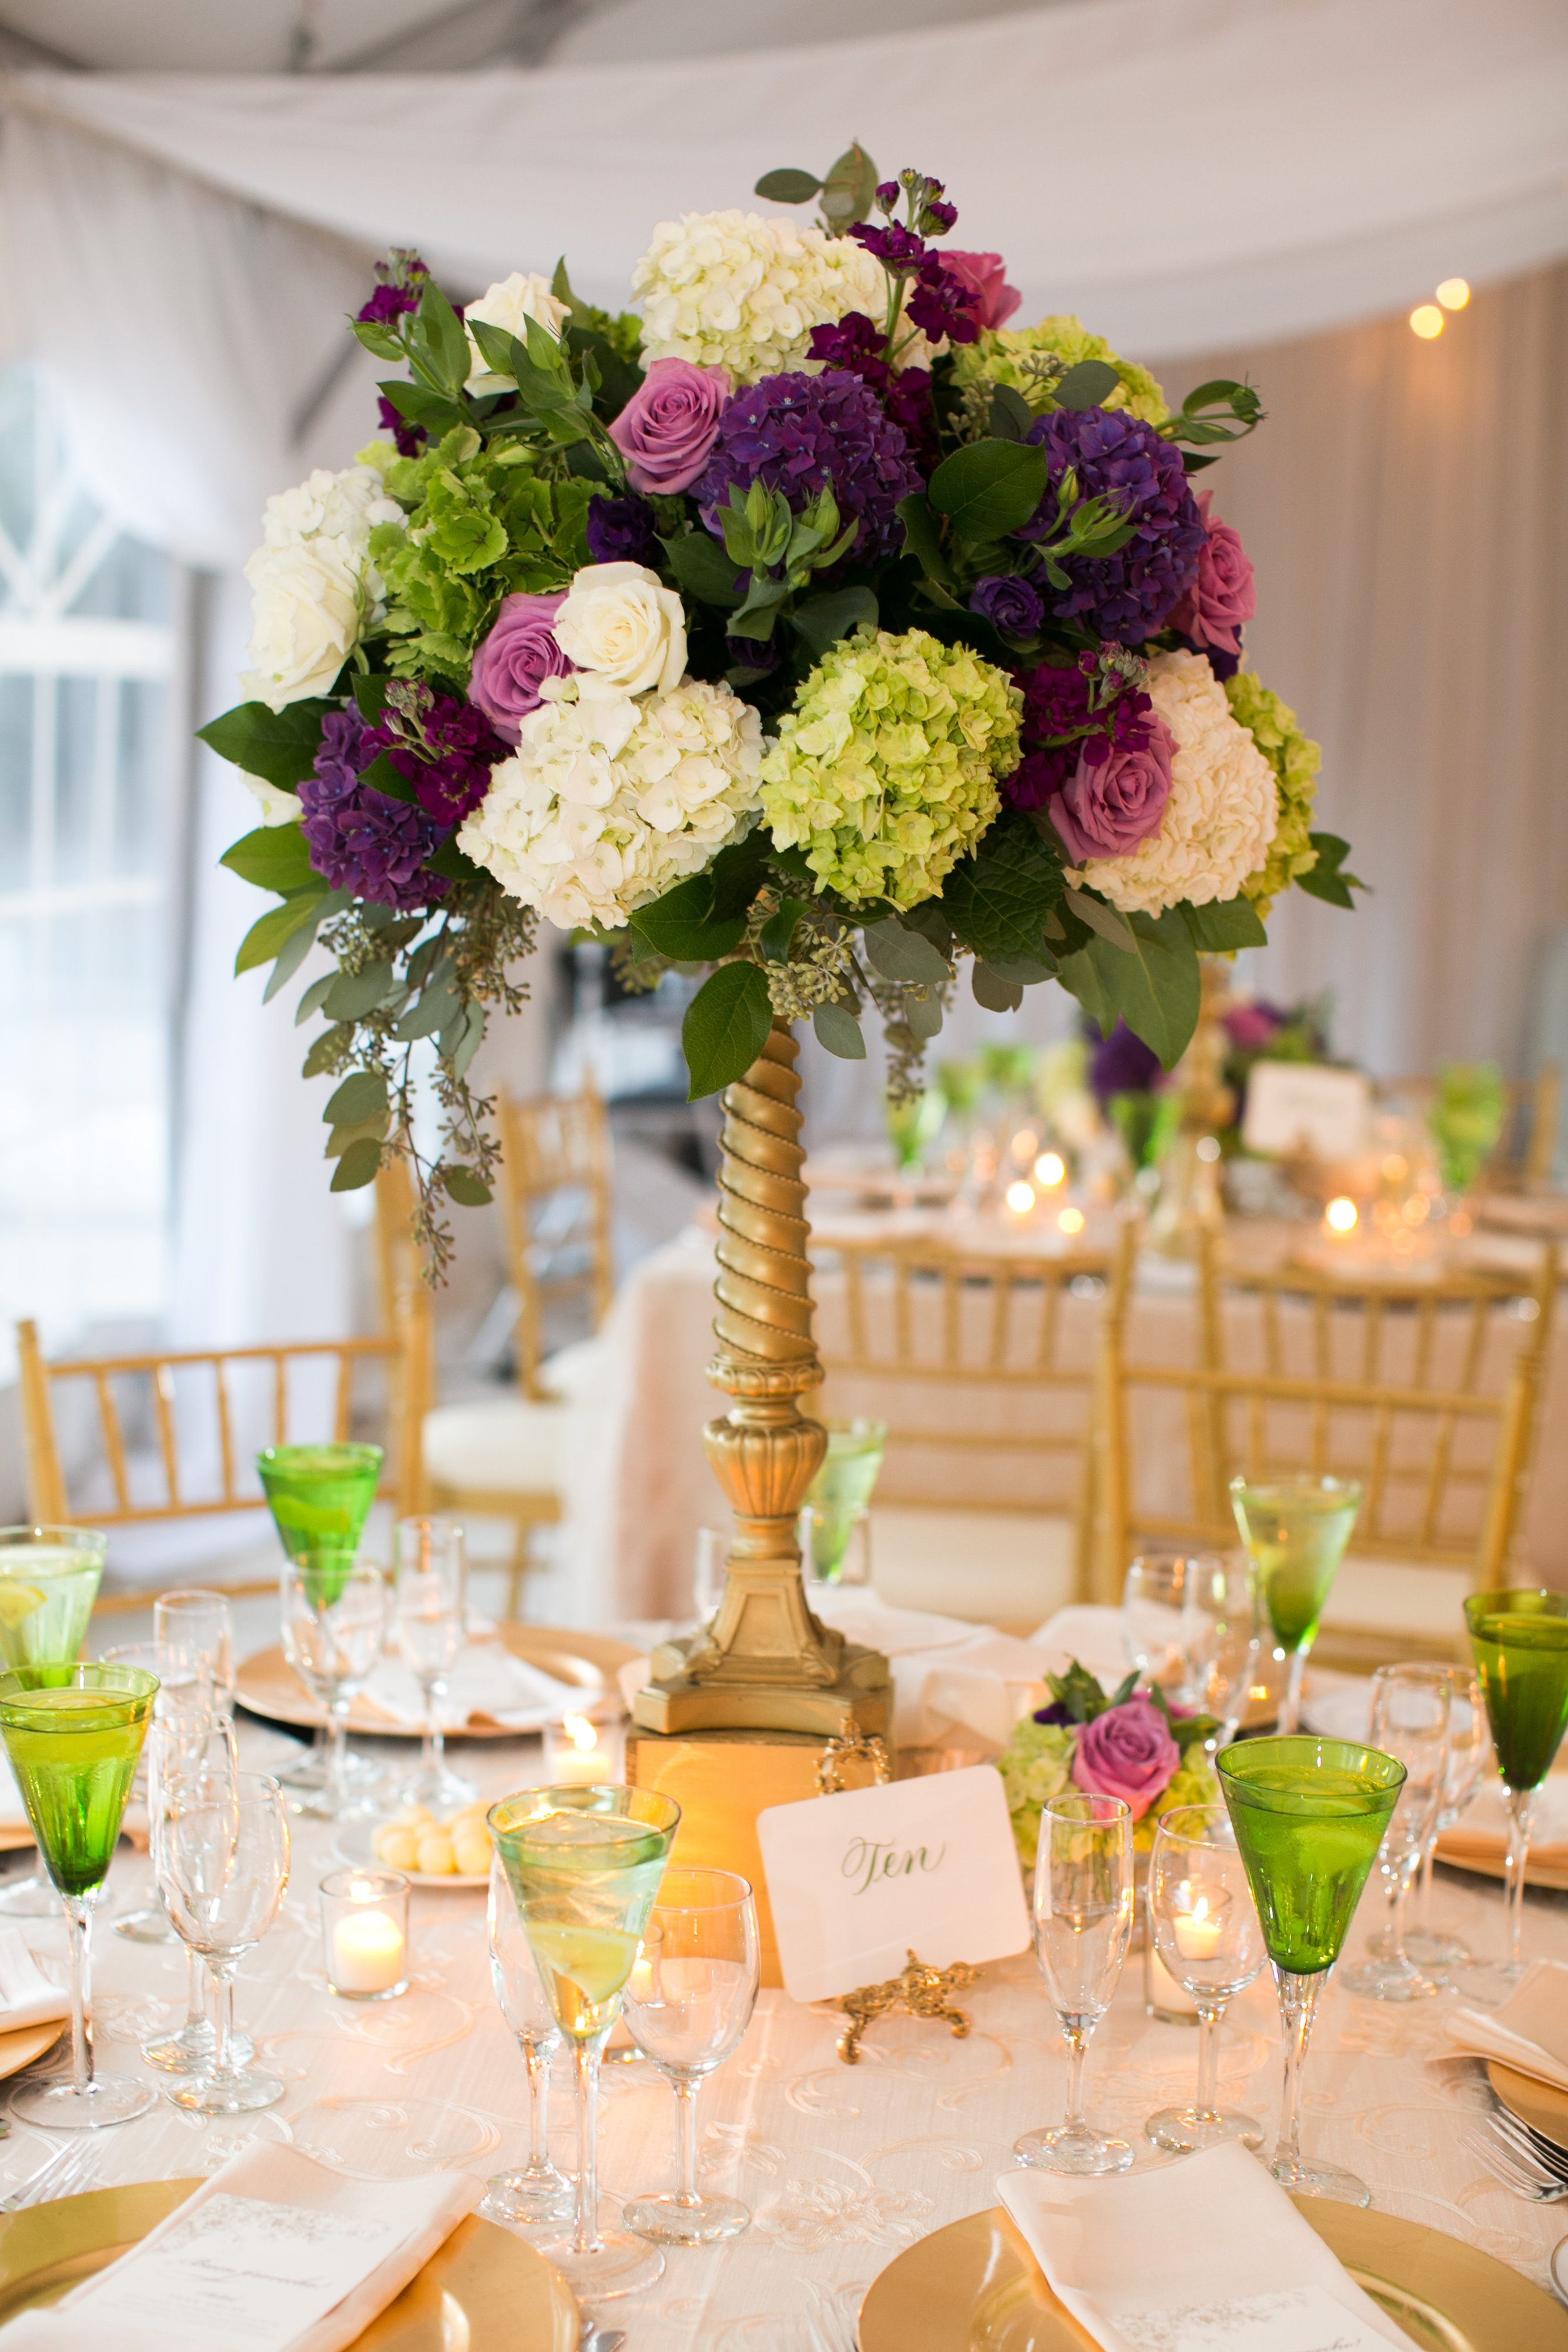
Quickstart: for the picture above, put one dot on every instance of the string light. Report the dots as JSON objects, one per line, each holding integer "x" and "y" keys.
{"x": 1454, "y": 293}
{"x": 1428, "y": 321}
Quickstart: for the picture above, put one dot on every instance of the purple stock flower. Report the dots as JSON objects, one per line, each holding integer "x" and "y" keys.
{"x": 445, "y": 747}
{"x": 1071, "y": 715}
{"x": 939, "y": 216}
{"x": 799, "y": 433}
{"x": 410, "y": 439}
{"x": 360, "y": 839}
{"x": 622, "y": 531}
{"x": 1116, "y": 455}
{"x": 941, "y": 303}
{"x": 887, "y": 195}
{"x": 1127, "y": 1752}
{"x": 1122, "y": 1065}
{"x": 400, "y": 283}
{"x": 1009, "y": 603}
{"x": 895, "y": 246}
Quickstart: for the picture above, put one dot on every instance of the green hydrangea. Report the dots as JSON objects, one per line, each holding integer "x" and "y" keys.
{"x": 1192, "y": 1783}
{"x": 885, "y": 773}
{"x": 1019, "y": 356}
{"x": 1295, "y": 759}
{"x": 1036, "y": 1766}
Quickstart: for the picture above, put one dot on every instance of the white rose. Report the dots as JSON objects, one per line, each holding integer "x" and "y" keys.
{"x": 307, "y": 610}
{"x": 276, "y": 806}
{"x": 620, "y": 621}
{"x": 510, "y": 304}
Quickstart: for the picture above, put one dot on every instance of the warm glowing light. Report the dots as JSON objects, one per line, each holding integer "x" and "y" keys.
{"x": 579, "y": 1731}
{"x": 1020, "y": 1198}
{"x": 1208, "y": 1148}
{"x": 1454, "y": 293}
{"x": 1341, "y": 1215}
{"x": 1417, "y": 1209}
{"x": 1070, "y": 1219}
{"x": 1396, "y": 1168}
{"x": 1050, "y": 1169}
{"x": 1426, "y": 321}
{"x": 1024, "y": 1145}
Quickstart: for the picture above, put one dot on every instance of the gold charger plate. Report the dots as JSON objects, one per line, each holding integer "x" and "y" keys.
{"x": 23, "y": 2043}
{"x": 1539, "y": 2104}
{"x": 976, "y": 2287}
{"x": 268, "y": 1684}
{"x": 484, "y": 2289}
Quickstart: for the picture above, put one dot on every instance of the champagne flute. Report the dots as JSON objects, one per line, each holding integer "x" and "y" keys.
{"x": 536, "y": 2192}
{"x": 583, "y": 1866}
{"x": 1469, "y": 1741}
{"x": 1296, "y": 1529}
{"x": 688, "y": 2001}
{"x": 222, "y": 1858}
{"x": 191, "y": 1746}
{"x": 1083, "y": 1924}
{"x": 1309, "y": 1816}
{"x": 1519, "y": 1640}
{"x": 1205, "y": 1930}
{"x": 49, "y": 1583}
{"x": 333, "y": 1631}
{"x": 1409, "y": 1720}
{"x": 193, "y": 1630}
{"x": 429, "y": 1617}
{"x": 73, "y": 1734}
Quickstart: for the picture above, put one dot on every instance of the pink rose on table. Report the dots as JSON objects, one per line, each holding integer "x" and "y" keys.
{"x": 1127, "y": 1752}
{"x": 1224, "y": 595}
{"x": 670, "y": 424}
{"x": 1116, "y": 795}
{"x": 510, "y": 665}
{"x": 986, "y": 275}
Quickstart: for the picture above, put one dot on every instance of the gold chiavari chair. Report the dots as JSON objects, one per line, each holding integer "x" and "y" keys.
{"x": 982, "y": 1365}
{"x": 555, "y": 1209}
{"x": 1427, "y": 1392}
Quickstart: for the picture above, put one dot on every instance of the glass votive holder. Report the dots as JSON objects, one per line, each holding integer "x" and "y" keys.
{"x": 580, "y": 1754}
{"x": 1163, "y": 1997}
{"x": 365, "y": 1932}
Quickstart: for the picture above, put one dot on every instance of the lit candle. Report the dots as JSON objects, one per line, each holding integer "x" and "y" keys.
{"x": 583, "y": 1755}
{"x": 1161, "y": 1994}
{"x": 364, "y": 1921}
{"x": 1199, "y": 1932}
{"x": 1341, "y": 1215}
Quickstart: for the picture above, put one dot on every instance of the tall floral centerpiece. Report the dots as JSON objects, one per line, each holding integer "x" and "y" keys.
{"x": 817, "y": 628}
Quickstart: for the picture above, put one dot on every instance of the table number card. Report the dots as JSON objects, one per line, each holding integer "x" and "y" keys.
{"x": 858, "y": 1881}
{"x": 1303, "y": 1107}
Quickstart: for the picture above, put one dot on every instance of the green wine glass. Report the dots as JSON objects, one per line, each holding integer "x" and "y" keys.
{"x": 1295, "y": 1529}
{"x": 839, "y": 1496}
{"x": 1518, "y": 1637}
{"x": 49, "y": 1583}
{"x": 1309, "y": 1816}
{"x": 320, "y": 1498}
{"x": 73, "y": 1734}
{"x": 585, "y": 1866}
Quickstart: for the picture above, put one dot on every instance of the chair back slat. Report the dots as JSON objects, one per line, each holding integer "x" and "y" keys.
{"x": 555, "y": 1165}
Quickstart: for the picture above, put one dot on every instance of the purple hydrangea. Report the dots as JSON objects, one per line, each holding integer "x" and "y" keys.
{"x": 854, "y": 342}
{"x": 445, "y": 747}
{"x": 622, "y": 531}
{"x": 799, "y": 433}
{"x": 1116, "y": 455}
{"x": 363, "y": 840}
{"x": 1008, "y": 603}
{"x": 1122, "y": 1065}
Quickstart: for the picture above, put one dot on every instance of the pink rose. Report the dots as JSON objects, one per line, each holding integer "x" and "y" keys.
{"x": 986, "y": 275}
{"x": 508, "y": 665}
{"x": 1224, "y": 595}
{"x": 1116, "y": 795}
{"x": 1127, "y": 1752}
{"x": 670, "y": 424}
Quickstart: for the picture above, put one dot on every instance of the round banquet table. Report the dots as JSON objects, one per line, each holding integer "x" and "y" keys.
{"x": 842, "y": 2167}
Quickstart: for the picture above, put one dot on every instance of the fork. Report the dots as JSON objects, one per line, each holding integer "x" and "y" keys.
{"x": 1532, "y": 2144}
{"x": 56, "y": 2177}
{"x": 1498, "y": 2156}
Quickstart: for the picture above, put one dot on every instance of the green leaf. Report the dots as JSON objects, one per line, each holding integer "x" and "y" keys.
{"x": 467, "y": 1044}
{"x": 838, "y": 1030}
{"x": 704, "y": 916}
{"x": 369, "y": 695}
{"x": 267, "y": 938}
{"x": 279, "y": 745}
{"x": 1224, "y": 926}
{"x": 313, "y": 999}
{"x": 725, "y": 1028}
{"x": 292, "y": 954}
{"x": 358, "y": 1166}
{"x": 922, "y": 539}
{"x": 924, "y": 1014}
{"x": 362, "y": 1094}
{"x": 275, "y": 857}
{"x": 420, "y": 405}
{"x": 997, "y": 995}
{"x": 1155, "y": 990}
{"x": 997, "y": 899}
{"x": 383, "y": 777}
{"x": 353, "y": 995}
{"x": 780, "y": 928}
{"x": 1088, "y": 385}
{"x": 823, "y": 620}
{"x": 991, "y": 487}
{"x": 703, "y": 570}
{"x": 1023, "y": 971}
{"x": 787, "y": 187}
{"x": 1011, "y": 415}
{"x": 344, "y": 1136}
{"x": 455, "y": 864}
{"x": 437, "y": 333}
{"x": 850, "y": 190}
{"x": 325, "y": 1049}
{"x": 902, "y": 955}
{"x": 1106, "y": 920}
{"x": 429, "y": 1013}
{"x": 1327, "y": 880}
{"x": 466, "y": 1187}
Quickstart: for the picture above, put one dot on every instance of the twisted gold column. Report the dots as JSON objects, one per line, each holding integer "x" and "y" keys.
{"x": 765, "y": 1664}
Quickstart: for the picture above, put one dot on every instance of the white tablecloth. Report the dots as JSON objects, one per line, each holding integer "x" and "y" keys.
{"x": 841, "y": 2167}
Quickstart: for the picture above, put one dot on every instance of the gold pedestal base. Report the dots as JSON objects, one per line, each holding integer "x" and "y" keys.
{"x": 856, "y": 1701}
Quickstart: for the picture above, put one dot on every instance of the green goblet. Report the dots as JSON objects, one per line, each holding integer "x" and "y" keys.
{"x": 1296, "y": 1530}
{"x": 840, "y": 1494}
{"x": 1520, "y": 1639}
{"x": 73, "y": 1736}
{"x": 49, "y": 1583}
{"x": 320, "y": 1498}
{"x": 1309, "y": 1816}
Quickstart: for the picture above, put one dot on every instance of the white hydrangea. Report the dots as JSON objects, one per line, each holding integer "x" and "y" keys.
{"x": 731, "y": 290}
{"x": 611, "y": 798}
{"x": 314, "y": 586}
{"x": 510, "y": 303}
{"x": 1223, "y": 810}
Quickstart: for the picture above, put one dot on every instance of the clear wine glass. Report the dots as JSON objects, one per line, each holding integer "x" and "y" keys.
{"x": 1083, "y": 1924}
{"x": 1469, "y": 1744}
{"x": 223, "y": 1864}
{"x": 536, "y": 2192}
{"x": 1409, "y": 1721}
{"x": 191, "y": 1748}
{"x": 429, "y": 1618}
{"x": 687, "y": 2002}
{"x": 192, "y": 1631}
{"x": 1205, "y": 1930}
{"x": 1160, "y": 1617}
{"x": 1225, "y": 1644}
{"x": 333, "y": 1632}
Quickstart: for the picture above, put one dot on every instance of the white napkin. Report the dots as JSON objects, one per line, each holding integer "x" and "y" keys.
{"x": 27, "y": 1995}
{"x": 305, "y": 2269}
{"x": 1213, "y": 2236}
{"x": 1480, "y": 1834}
{"x": 1530, "y": 2031}
{"x": 1088, "y": 1632}
{"x": 486, "y": 1681}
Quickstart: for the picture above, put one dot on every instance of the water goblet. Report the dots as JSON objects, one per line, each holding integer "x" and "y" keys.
{"x": 1224, "y": 1644}
{"x": 73, "y": 1734}
{"x": 840, "y": 1495}
{"x": 429, "y": 1618}
{"x": 192, "y": 1631}
{"x": 688, "y": 2000}
{"x": 222, "y": 1857}
{"x": 1409, "y": 1719}
{"x": 1205, "y": 1930}
{"x": 1160, "y": 1623}
{"x": 334, "y": 1629}
{"x": 1519, "y": 1640}
{"x": 1309, "y": 1816}
{"x": 1296, "y": 1530}
{"x": 1083, "y": 1924}
{"x": 49, "y": 1583}
{"x": 536, "y": 2192}
{"x": 583, "y": 1865}
{"x": 1469, "y": 1741}
{"x": 188, "y": 1746}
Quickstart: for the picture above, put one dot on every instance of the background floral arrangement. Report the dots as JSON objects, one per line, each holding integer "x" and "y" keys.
{"x": 817, "y": 630}
{"x": 1126, "y": 1745}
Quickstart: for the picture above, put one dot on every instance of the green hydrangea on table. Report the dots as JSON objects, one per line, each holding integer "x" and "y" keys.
{"x": 1127, "y": 1743}
{"x": 1295, "y": 759}
{"x": 1032, "y": 360}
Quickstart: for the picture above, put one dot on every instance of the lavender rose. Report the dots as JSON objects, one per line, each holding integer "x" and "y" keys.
{"x": 986, "y": 275}
{"x": 519, "y": 652}
{"x": 1224, "y": 595}
{"x": 670, "y": 424}
{"x": 1116, "y": 795}
{"x": 1127, "y": 1752}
